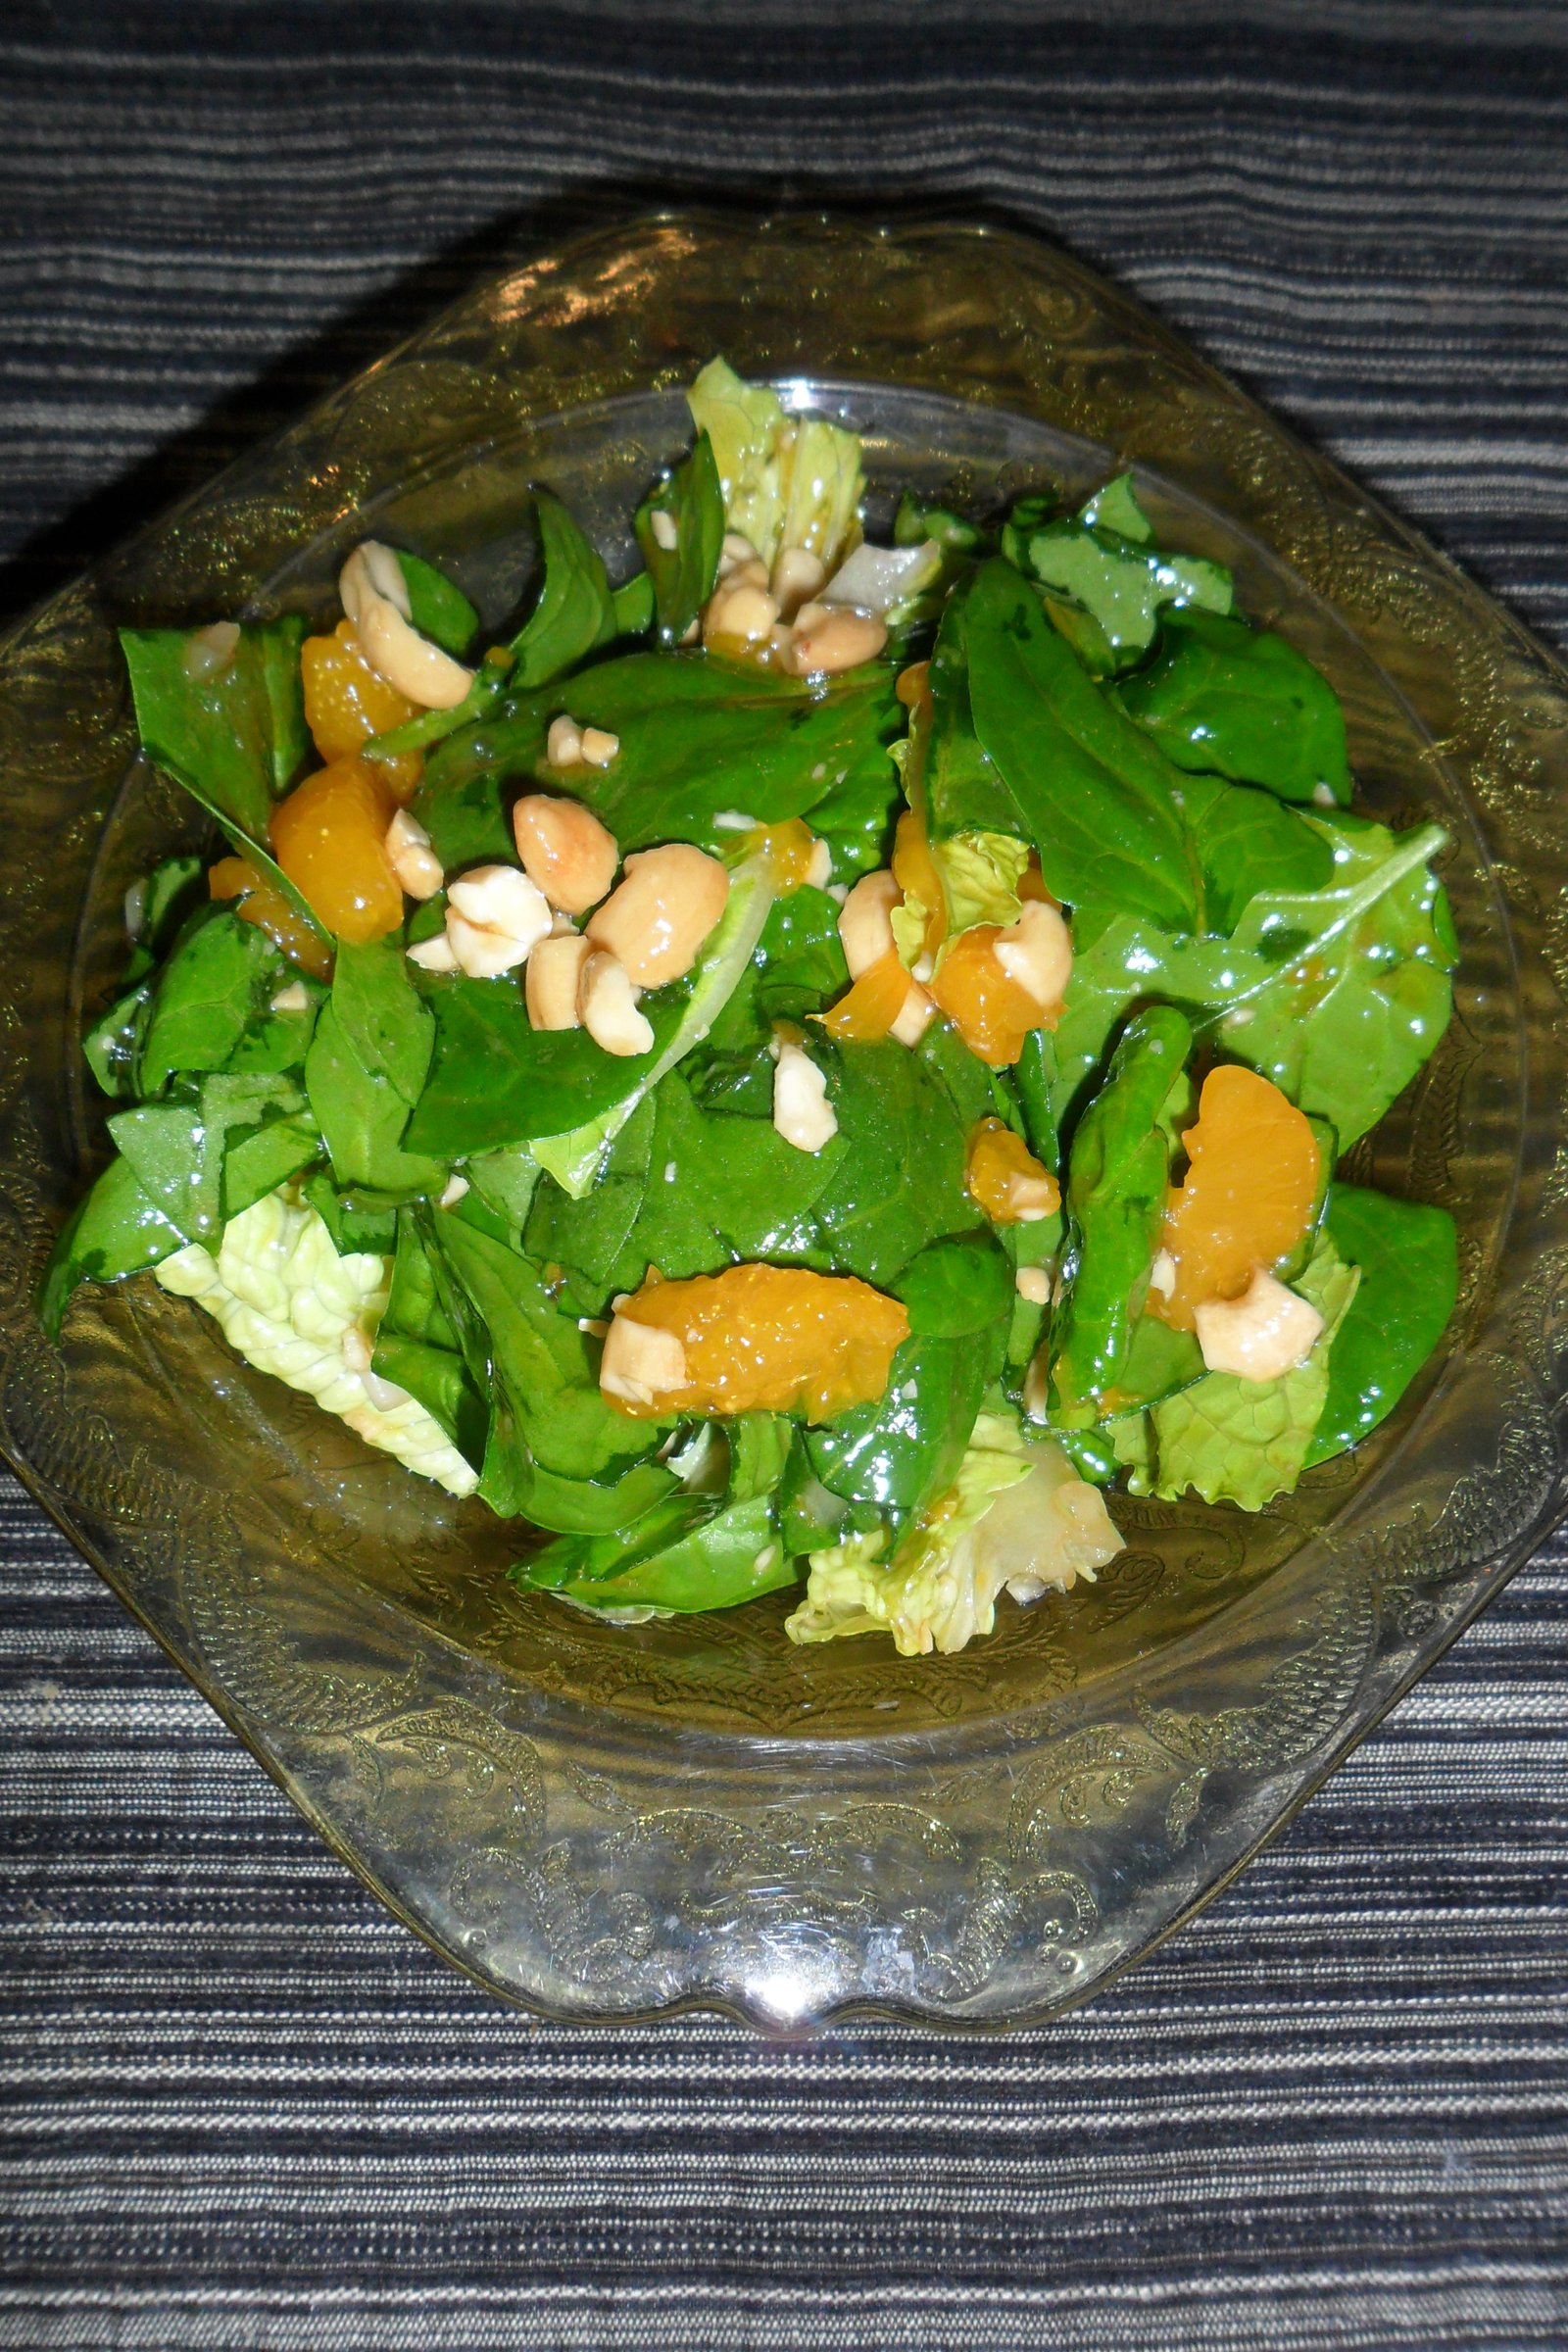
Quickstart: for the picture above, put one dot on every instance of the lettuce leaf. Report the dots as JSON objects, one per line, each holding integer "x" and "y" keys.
{"x": 1017, "y": 1515}
{"x": 1246, "y": 1441}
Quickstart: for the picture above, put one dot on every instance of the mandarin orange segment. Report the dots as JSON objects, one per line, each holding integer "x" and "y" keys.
{"x": 914, "y": 870}
{"x": 1252, "y": 1184}
{"x": 329, "y": 837}
{"x": 789, "y": 848}
{"x": 347, "y": 702}
{"x": 771, "y": 1339}
{"x": 872, "y": 1004}
{"x": 1004, "y": 1179}
{"x": 987, "y": 1007}
{"x": 262, "y": 904}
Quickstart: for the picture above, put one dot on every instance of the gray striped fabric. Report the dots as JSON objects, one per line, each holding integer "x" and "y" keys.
{"x": 242, "y": 2106}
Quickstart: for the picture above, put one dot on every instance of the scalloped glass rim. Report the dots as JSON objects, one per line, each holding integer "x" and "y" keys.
{"x": 606, "y": 1827}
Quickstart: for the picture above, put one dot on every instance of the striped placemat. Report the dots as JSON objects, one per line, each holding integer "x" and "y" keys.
{"x": 242, "y": 2106}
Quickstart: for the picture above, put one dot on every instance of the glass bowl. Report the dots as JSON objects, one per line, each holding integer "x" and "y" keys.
{"x": 607, "y": 1823}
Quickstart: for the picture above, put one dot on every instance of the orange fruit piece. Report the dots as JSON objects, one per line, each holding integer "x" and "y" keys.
{"x": 789, "y": 848}
{"x": 987, "y": 1007}
{"x": 261, "y": 903}
{"x": 1002, "y": 1177}
{"x": 872, "y": 1004}
{"x": 347, "y": 702}
{"x": 1252, "y": 1183}
{"x": 329, "y": 837}
{"x": 771, "y": 1339}
{"x": 914, "y": 870}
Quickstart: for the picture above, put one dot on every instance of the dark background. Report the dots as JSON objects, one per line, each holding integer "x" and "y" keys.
{"x": 241, "y": 2105}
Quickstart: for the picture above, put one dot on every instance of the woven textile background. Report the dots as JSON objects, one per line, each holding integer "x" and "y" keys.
{"x": 242, "y": 2106}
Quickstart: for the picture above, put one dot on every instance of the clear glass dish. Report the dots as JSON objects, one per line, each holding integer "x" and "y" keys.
{"x": 606, "y": 1823}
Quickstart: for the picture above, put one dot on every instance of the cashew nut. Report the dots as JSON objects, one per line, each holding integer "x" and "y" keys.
{"x": 411, "y": 857}
{"x": 866, "y": 929}
{"x": 397, "y": 652}
{"x": 1037, "y": 953}
{"x": 656, "y": 921}
{"x": 495, "y": 917}
{"x": 373, "y": 569}
{"x": 552, "y": 980}
{"x": 1270, "y": 1330}
{"x": 564, "y": 850}
{"x": 607, "y": 1004}
{"x": 802, "y": 1113}
{"x": 830, "y": 638}
{"x": 641, "y": 1362}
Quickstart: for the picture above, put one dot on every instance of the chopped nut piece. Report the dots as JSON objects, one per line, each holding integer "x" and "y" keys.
{"x": 740, "y": 610}
{"x": 373, "y": 569}
{"x": 495, "y": 916}
{"x": 656, "y": 921}
{"x": 802, "y": 1113}
{"x": 797, "y": 575}
{"x": 599, "y": 745}
{"x": 1036, "y": 952}
{"x": 819, "y": 866}
{"x": 830, "y": 638}
{"x": 1034, "y": 1284}
{"x": 563, "y": 742}
{"x": 210, "y": 651}
{"x": 662, "y": 525}
{"x": 434, "y": 955}
{"x": 295, "y": 998}
{"x": 453, "y": 1191}
{"x": 736, "y": 550}
{"x": 640, "y": 1362}
{"x": 565, "y": 851}
{"x": 407, "y": 662}
{"x": 412, "y": 860}
{"x": 1163, "y": 1274}
{"x": 865, "y": 928}
{"x": 552, "y": 980}
{"x": 1267, "y": 1332}
{"x": 1032, "y": 1199}
{"x": 607, "y": 1004}
{"x": 916, "y": 1017}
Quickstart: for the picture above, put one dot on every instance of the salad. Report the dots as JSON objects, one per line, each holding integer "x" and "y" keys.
{"x": 809, "y": 1068}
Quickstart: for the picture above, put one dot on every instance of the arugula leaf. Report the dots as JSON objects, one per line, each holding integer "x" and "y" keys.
{"x": 688, "y": 507}
{"x": 575, "y": 612}
{"x": 119, "y": 1229}
{"x": 437, "y": 606}
{"x": 1117, "y": 1177}
{"x": 699, "y": 738}
{"x": 1246, "y": 1441}
{"x": 235, "y": 736}
{"x": 1407, "y": 1257}
{"x": 1242, "y": 702}
{"x": 1104, "y": 559}
{"x": 1338, "y": 995}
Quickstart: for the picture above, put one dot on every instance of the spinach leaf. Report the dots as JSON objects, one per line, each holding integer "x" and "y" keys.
{"x": 437, "y": 1379}
{"x": 575, "y": 612}
{"x": 496, "y": 1081}
{"x": 1338, "y": 995}
{"x": 681, "y": 529}
{"x": 633, "y": 602}
{"x": 256, "y": 1163}
{"x": 1118, "y": 1177}
{"x": 413, "y": 1306}
{"x": 1104, "y": 559}
{"x": 1408, "y": 1261}
{"x": 437, "y": 606}
{"x": 898, "y": 1181}
{"x": 955, "y": 1288}
{"x": 1242, "y": 702}
{"x": 234, "y": 736}
{"x": 680, "y": 1559}
{"x": 699, "y": 739}
{"x": 113, "y": 1046}
{"x": 544, "y": 1386}
{"x": 353, "y": 1226}
{"x": 177, "y": 1149}
{"x": 1063, "y": 769}
{"x": 1246, "y": 1441}
{"x": 1247, "y": 843}
{"x": 210, "y": 1007}
{"x": 366, "y": 1058}
{"x": 902, "y": 1450}
{"x": 506, "y": 1182}
{"x": 617, "y": 1511}
{"x": 118, "y": 1230}
{"x": 157, "y": 907}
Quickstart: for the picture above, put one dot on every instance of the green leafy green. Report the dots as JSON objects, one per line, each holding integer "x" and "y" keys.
{"x": 680, "y": 530}
{"x": 119, "y": 1229}
{"x": 786, "y": 480}
{"x": 1118, "y": 1177}
{"x": 211, "y": 1005}
{"x": 1242, "y": 702}
{"x": 365, "y": 1070}
{"x": 1408, "y": 1261}
{"x": 113, "y": 1045}
{"x": 575, "y": 612}
{"x": 1104, "y": 559}
{"x": 437, "y": 606}
{"x": 232, "y": 734}
{"x": 177, "y": 1149}
{"x": 1245, "y": 1441}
